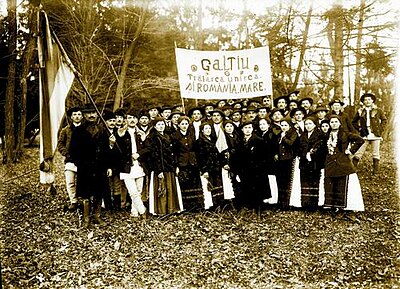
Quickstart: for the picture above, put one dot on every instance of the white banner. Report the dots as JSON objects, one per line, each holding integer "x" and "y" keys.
{"x": 224, "y": 74}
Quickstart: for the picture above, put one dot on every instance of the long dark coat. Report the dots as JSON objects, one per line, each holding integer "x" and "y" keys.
{"x": 339, "y": 164}
{"x": 83, "y": 152}
{"x": 249, "y": 164}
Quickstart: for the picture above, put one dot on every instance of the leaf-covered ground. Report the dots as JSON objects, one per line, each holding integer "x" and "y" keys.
{"x": 42, "y": 246}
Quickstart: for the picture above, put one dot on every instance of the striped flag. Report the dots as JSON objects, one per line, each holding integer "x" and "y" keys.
{"x": 56, "y": 76}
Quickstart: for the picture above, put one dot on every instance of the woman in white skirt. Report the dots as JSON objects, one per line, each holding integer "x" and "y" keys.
{"x": 342, "y": 187}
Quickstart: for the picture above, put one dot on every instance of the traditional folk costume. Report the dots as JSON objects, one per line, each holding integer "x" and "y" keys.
{"x": 210, "y": 161}
{"x": 285, "y": 166}
{"x": 268, "y": 149}
{"x": 164, "y": 192}
{"x": 342, "y": 188}
{"x": 131, "y": 171}
{"x": 370, "y": 123}
{"x": 230, "y": 184}
{"x": 310, "y": 167}
{"x": 189, "y": 174}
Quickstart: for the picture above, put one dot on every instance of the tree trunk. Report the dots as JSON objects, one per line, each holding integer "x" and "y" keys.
{"x": 119, "y": 97}
{"x": 357, "y": 80}
{"x": 26, "y": 65}
{"x": 303, "y": 47}
{"x": 10, "y": 90}
{"x": 339, "y": 61}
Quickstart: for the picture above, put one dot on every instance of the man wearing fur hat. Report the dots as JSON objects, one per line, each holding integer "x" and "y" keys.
{"x": 370, "y": 122}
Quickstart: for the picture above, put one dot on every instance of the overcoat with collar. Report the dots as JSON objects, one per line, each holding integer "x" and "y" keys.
{"x": 339, "y": 163}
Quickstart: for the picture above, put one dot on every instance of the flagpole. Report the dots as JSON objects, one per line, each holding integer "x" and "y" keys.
{"x": 78, "y": 77}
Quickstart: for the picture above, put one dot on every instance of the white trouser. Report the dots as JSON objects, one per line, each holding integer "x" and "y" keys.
{"x": 375, "y": 149}
{"x": 134, "y": 187}
{"x": 70, "y": 181}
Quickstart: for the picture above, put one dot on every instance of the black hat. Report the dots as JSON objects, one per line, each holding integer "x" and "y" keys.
{"x": 132, "y": 112}
{"x": 321, "y": 107}
{"x": 167, "y": 107}
{"x": 177, "y": 106}
{"x": 294, "y": 110}
{"x": 175, "y": 112}
{"x": 236, "y": 110}
{"x": 144, "y": 113}
{"x": 274, "y": 110}
{"x": 368, "y": 95}
{"x": 263, "y": 107}
{"x": 336, "y": 100}
{"x": 88, "y": 107}
{"x": 306, "y": 98}
{"x": 153, "y": 106}
{"x": 226, "y": 107}
{"x": 120, "y": 112}
{"x": 296, "y": 92}
{"x": 293, "y": 100}
{"x": 73, "y": 109}
{"x": 251, "y": 108}
{"x": 190, "y": 112}
{"x": 108, "y": 114}
{"x": 285, "y": 97}
{"x": 219, "y": 111}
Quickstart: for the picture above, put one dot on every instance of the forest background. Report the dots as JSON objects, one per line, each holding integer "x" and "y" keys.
{"x": 124, "y": 50}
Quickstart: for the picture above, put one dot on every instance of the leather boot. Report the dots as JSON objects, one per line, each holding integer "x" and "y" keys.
{"x": 96, "y": 213}
{"x": 86, "y": 212}
{"x": 355, "y": 162}
{"x": 375, "y": 168}
{"x": 117, "y": 202}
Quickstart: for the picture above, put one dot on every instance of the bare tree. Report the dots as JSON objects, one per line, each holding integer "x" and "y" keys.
{"x": 335, "y": 38}
{"x": 303, "y": 47}
{"x": 357, "y": 80}
{"x": 27, "y": 60}
{"x": 10, "y": 91}
{"x": 129, "y": 54}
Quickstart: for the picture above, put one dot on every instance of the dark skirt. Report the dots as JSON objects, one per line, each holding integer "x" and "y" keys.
{"x": 309, "y": 188}
{"x": 254, "y": 188}
{"x": 336, "y": 191}
{"x": 284, "y": 180}
{"x": 192, "y": 192}
{"x": 216, "y": 189}
{"x": 164, "y": 196}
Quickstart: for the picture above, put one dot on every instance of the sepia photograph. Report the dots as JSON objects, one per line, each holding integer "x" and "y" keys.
{"x": 199, "y": 144}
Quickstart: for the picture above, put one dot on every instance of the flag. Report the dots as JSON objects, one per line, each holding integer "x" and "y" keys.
{"x": 56, "y": 76}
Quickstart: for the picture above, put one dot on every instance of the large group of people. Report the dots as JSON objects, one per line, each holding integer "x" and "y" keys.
{"x": 227, "y": 154}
